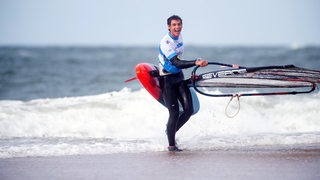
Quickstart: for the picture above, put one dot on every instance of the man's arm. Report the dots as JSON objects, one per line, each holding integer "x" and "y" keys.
{"x": 182, "y": 64}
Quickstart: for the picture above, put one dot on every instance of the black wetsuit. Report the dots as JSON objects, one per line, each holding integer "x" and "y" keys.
{"x": 175, "y": 89}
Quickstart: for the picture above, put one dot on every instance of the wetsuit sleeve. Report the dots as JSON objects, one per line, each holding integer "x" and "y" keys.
{"x": 182, "y": 64}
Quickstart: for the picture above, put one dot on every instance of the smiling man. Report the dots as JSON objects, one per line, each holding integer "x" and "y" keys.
{"x": 172, "y": 82}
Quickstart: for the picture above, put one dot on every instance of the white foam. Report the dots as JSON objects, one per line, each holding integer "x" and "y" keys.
{"x": 128, "y": 121}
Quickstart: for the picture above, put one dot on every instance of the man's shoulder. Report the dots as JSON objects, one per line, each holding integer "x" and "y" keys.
{"x": 166, "y": 39}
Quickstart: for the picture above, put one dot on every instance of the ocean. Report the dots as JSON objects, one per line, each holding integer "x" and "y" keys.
{"x": 58, "y": 100}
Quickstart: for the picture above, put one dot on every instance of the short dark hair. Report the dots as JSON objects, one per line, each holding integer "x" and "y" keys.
{"x": 173, "y": 17}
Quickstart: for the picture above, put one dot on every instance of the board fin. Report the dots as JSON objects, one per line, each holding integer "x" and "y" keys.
{"x": 131, "y": 79}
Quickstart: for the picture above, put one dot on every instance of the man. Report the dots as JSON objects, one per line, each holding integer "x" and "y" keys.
{"x": 172, "y": 80}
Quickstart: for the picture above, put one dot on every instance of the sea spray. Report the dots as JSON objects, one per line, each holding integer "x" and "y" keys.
{"x": 132, "y": 121}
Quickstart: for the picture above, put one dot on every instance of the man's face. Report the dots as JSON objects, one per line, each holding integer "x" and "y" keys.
{"x": 175, "y": 28}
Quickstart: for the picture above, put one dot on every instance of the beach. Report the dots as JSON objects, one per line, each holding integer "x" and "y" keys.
{"x": 219, "y": 164}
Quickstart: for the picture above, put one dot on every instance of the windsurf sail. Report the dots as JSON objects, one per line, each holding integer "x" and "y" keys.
{"x": 254, "y": 81}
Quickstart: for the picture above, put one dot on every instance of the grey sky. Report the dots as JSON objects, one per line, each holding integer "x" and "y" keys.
{"x": 143, "y": 22}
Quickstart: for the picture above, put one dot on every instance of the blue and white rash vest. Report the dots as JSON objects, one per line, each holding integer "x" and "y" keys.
{"x": 169, "y": 47}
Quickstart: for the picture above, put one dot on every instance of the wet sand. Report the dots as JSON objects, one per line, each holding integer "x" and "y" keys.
{"x": 217, "y": 164}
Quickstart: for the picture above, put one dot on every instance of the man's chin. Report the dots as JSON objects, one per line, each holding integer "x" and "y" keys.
{"x": 176, "y": 34}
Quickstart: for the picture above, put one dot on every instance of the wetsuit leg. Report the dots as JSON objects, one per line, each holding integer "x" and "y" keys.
{"x": 185, "y": 99}
{"x": 174, "y": 90}
{"x": 170, "y": 87}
